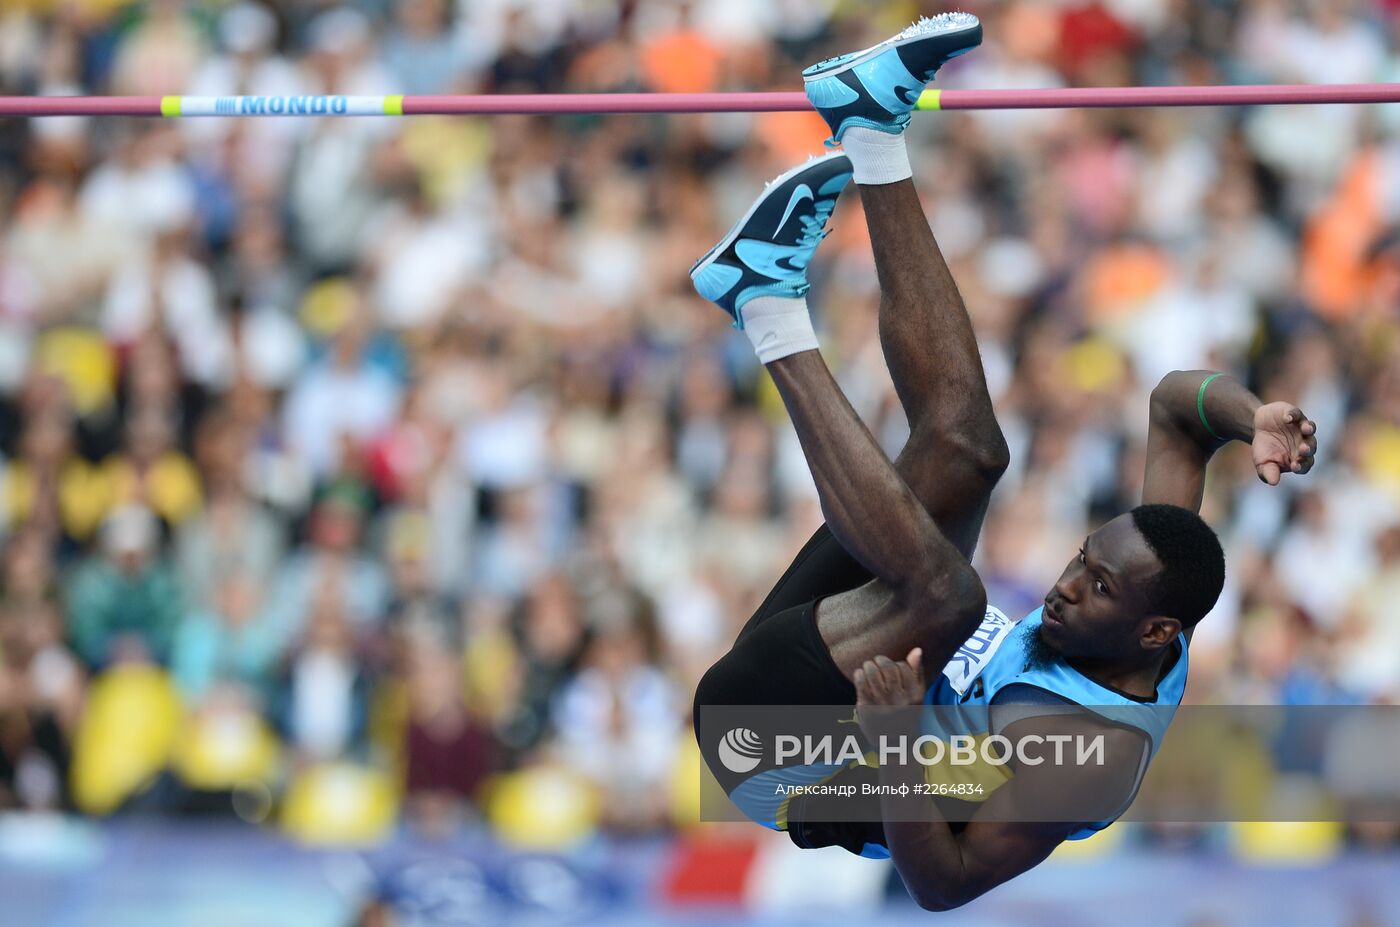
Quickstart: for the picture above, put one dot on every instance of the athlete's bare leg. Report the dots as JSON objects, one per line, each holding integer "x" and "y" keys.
{"x": 923, "y": 591}
{"x": 956, "y": 451}
{"x": 925, "y": 594}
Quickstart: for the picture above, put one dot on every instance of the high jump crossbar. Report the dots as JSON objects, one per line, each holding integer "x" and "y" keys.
{"x": 549, "y": 104}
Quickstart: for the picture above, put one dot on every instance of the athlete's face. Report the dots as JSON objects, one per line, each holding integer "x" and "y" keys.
{"x": 1099, "y": 610}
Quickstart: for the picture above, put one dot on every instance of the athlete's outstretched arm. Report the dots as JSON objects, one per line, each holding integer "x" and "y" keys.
{"x": 1180, "y": 445}
{"x": 870, "y": 509}
{"x": 1009, "y": 834}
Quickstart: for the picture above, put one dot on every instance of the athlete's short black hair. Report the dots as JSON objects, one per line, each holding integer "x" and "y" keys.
{"x": 1193, "y": 565}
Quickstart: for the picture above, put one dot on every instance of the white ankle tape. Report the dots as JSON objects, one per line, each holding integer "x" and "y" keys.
{"x": 876, "y": 157}
{"x": 778, "y": 326}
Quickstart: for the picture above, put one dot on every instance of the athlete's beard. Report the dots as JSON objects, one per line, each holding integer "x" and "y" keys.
{"x": 1039, "y": 653}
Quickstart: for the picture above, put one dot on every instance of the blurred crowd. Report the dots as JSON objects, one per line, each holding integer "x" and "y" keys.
{"x": 402, "y": 447}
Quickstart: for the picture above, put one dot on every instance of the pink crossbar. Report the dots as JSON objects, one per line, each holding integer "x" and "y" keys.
{"x": 593, "y": 103}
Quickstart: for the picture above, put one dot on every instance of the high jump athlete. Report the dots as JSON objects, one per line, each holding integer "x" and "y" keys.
{"x": 885, "y": 590}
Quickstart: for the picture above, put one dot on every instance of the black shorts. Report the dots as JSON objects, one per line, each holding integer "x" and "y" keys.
{"x": 779, "y": 658}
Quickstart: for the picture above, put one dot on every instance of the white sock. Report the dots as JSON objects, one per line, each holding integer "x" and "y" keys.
{"x": 876, "y": 157}
{"x": 778, "y": 326}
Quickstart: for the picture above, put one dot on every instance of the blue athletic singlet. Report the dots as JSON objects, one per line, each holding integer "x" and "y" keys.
{"x": 993, "y": 668}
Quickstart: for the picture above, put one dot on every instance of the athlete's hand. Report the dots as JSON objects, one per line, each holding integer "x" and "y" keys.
{"x": 1285, "y": 441}
{"x": 881, "y": 684}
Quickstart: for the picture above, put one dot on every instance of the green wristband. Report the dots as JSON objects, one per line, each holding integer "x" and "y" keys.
{"x": 1201, "y": 405}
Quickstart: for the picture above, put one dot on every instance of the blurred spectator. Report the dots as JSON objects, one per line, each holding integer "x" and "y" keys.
{"x": 618, "y": 722}
{"x": 151, "y": 470}
{"x": 230, "y": 643}
{"x": 551, "y": 635}
{"x": 49, "y": 487}
{"x": 1369, "y": 651}
{"x": 124, "y": 604}
{"x": 232, "y": 535}
{"x": 324, "y": 688}
{"x": 180, "y": 289}
{"x": 448, "y": 753}
{"x": 422, "y": 52}
{"x": 1319, "y": 563}
{"x": 162, "y": 50}
{"x": 41, "y": 692}
{"x": 332, "y": 565}
{"x": 345, "y": 399}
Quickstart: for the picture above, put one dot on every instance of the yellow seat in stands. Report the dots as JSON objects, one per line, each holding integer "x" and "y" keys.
{"x": 125, "y": 736}
{"x": 340, "y": 804}
{"x": 226, "y": 750}
{"x": 545, "y": 807}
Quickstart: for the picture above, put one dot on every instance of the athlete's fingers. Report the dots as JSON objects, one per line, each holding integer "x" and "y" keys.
{"x": 1270, "y": 472}
{"x": 865, "y": 691}
{"x": 889, "y": 673}
{"x": 874, "y": 681}
{"x": 908, "y": 680}
{"x": 916, "y": 660}
{"x": 1303, "y": 459}
{"x": 1309, "y": 428}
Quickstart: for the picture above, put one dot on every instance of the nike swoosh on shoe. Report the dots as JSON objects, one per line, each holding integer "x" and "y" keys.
{"x": 803, "y": 192}
{"x": 769, "y": 259}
